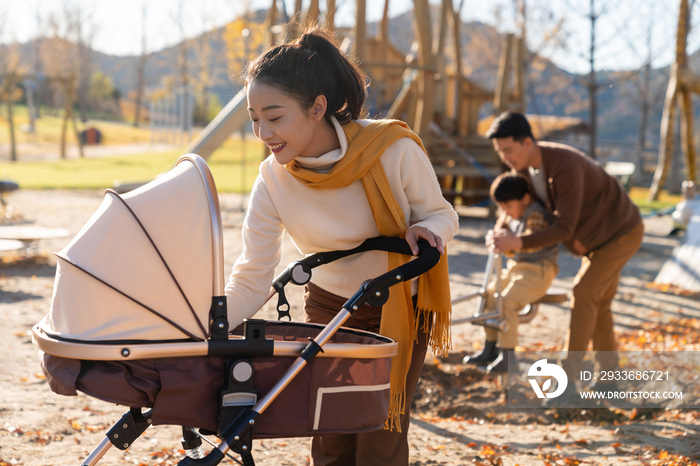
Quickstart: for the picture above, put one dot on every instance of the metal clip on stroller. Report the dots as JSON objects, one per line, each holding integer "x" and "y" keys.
{"x": 496, "y": 319}
{"x": 139, "y": 318}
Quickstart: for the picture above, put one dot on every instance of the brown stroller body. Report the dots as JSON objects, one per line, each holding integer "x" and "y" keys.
{"x": 139, "y": 318}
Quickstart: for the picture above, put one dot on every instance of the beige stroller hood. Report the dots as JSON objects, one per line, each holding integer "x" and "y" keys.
{"x": 143, "y": 267}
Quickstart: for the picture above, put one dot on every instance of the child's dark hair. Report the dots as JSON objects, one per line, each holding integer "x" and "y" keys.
{"x": 310, "y": 66}
{"x": 510, "y": 124}
{"x": 508, "y": 186}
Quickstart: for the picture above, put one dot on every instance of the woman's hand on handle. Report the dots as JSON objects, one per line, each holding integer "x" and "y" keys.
{"x": 417, "y": 232}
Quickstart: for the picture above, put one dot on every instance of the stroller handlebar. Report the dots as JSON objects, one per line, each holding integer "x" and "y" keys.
{"x": 375, "y": 292}
{"x": 381, "y": 243}
{"x": 299, "y": 272}
{"x": 428, "y": 257}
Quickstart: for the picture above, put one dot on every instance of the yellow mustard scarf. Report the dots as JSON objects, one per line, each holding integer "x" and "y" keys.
{"x": 399, "y": 322}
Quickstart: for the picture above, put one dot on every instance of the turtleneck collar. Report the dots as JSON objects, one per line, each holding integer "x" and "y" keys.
{"x": 324, "y": 163}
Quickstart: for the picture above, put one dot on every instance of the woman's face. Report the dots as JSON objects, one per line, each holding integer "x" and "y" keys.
{"x": 281, "y": 123}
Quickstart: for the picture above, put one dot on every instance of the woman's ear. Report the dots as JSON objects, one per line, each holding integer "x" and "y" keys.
{"x": 318, "y": 109}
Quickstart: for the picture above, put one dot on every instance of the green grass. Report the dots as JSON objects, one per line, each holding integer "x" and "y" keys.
{"x": 639, "y": 197}
{"x": 234, "y": 167}
{"x": 49, "y": 127}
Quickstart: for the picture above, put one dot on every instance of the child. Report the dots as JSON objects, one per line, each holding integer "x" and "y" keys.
{"x": 528, "y": 273}
{"x": 331, "y": 182}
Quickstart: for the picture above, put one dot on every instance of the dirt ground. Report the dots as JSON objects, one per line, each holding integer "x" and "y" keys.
{"x": 460, "y": 415}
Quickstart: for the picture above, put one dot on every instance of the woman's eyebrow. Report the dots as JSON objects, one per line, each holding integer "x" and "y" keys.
{"x": 269, "y": 107}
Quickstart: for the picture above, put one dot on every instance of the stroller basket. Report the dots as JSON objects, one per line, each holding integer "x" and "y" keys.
{"x": 352, "y": 371}
{"x": 138, "y": 318}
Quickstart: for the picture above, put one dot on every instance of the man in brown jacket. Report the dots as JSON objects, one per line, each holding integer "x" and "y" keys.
{"x": 593, "y": 217}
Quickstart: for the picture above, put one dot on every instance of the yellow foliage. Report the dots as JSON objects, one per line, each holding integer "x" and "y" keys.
{"x": 244, "y": 41}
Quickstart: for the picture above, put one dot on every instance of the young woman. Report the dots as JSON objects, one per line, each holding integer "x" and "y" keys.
{"x": 332, "y": 182}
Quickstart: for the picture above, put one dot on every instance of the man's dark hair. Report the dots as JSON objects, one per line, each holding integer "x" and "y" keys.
{"x": 510, "y": 124}
{"x": 508, "y": 186}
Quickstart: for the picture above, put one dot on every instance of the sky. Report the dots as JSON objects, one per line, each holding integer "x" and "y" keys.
{"x": 621, "y": 29}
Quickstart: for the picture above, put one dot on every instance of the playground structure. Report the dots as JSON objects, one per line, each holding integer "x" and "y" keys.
{"x": 436, "y": 100}
{"x": 683, "y": 82}
{"x": 172, "y": 117}
{"x": 442, "y": 106}
{"x": 496, "y": 318}
{"x": 680, "y": 272}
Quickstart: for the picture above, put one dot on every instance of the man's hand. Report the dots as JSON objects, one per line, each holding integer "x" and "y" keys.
{"x": 506, "y": 241}
{"x": 416, "y": 232}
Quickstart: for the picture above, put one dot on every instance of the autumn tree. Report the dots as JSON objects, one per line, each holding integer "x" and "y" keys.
{"x": 10, "y": 92}
{"x": 60, "y": 62}
{"x": 183, "y": 64}
{"x": 540, "y": 27}
{"x": 208, "y": 62}
{"x": 81, "y": 31}
{"x": 644, "y": 88}
{"x": 141, "y": 68}
{"x": 244, "y": 40}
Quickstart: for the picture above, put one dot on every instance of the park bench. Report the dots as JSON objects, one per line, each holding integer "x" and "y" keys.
{"x": 623, "y": 171}
{"x": 7, "y": 245}
{"x": 26, "y": 237}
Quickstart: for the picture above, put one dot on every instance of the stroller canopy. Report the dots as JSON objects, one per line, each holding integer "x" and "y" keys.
{"x": 144, "y": 266}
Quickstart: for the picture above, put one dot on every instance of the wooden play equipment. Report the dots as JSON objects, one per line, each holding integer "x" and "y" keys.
{"x": 436, "y": 100}
{"x": 682, "y": 83}
{"x": 442, "y": 105}
{"x": 680, "y": 272}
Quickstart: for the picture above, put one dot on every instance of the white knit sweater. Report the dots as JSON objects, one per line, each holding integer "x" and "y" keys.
{"x": 320, "y": 220}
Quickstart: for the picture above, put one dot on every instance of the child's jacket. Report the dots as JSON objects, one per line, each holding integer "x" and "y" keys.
{"x": 534, "y": 219}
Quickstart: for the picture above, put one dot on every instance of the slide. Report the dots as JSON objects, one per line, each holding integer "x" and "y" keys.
{"x": 229, "y": 119}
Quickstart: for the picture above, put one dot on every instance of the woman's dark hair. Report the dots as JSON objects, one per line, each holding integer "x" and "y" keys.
{"x": 310, "y": 66}
{"x": 510, "y": 124}
{"x": 508, "y": 186}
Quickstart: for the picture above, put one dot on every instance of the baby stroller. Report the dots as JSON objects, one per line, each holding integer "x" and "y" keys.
{"x": 139, "y": 318}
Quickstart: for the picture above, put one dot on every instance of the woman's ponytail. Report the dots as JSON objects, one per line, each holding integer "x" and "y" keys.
{"x": 310, "y": 66}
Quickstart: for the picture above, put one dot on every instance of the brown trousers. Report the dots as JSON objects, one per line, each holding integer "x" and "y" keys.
{"x": 595, "y": 286}
{"x": 385, "y": 448}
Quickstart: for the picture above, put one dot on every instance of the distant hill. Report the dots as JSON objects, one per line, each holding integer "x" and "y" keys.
{"x": 550, "y": 90}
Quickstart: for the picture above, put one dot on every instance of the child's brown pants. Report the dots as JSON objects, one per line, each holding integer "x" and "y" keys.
{"x": 523, "y": 283}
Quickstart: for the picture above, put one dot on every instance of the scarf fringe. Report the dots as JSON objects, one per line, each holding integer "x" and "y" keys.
{"x": 439, "y": 326}
{"x": 397, "y": 405}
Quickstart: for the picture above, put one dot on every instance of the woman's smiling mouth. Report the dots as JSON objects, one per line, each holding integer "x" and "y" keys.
{"x": 277, "y": 147}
